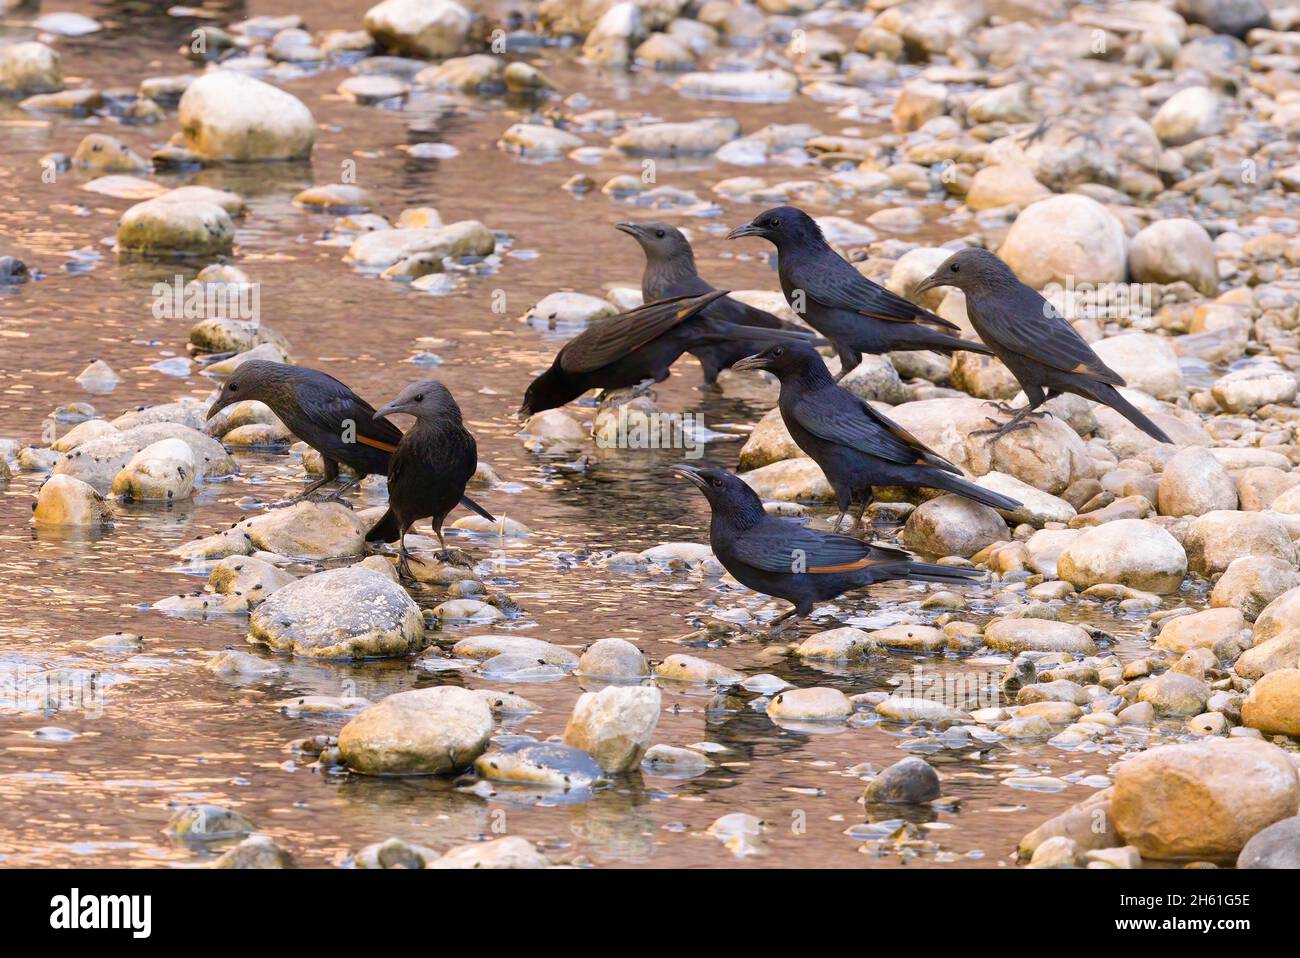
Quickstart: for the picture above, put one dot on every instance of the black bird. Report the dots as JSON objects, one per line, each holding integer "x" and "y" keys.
{"x": 856, "y": 446}
{"x": 428, "y": 473}
{"x": 1025, "y": 331}
{"x": 670, "y": 271}
{"x": 839, "y": 302}
{"x": 781, "y": 558}
{"x": 633, "y": 347}
{"x": 323, "y": 413}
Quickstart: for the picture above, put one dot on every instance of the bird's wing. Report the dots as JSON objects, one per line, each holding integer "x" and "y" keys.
{"x": 782, "y": 546}
{"x": 330, "y": 405}
{"x": 610, "y": 340}
{"x": 839, "y": 286}
{"x": 838, "y": 416}
{"x": 1028, "y": 325}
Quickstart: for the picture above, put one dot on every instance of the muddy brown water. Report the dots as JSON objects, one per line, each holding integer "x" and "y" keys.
{"x": 155, "y": 730}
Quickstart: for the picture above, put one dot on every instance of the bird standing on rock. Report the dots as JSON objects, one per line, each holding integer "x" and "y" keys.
{"x": 781, "y": 558}
{"x": 635, "y": 347}
{"x": 323, "y": 413}
{"x": 839, "y": 302}
{"x": 435, "y": 460}
{"x": 1044, "y": 352}
{"x": 670, "y": 271}
{"x": 856, "y": 446}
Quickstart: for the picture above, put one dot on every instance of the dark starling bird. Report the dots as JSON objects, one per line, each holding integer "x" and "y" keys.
{"x": 1025, "y": 331}
{"x": 634, "y": 347}
{"x": 856, "y": 446}
{"x": 839, "y": 302}
{"x": 323, "y": 413}
{"x": 781, "y": 558}
{"x": 429, "y": 471}
{"x": 670, "y": 271}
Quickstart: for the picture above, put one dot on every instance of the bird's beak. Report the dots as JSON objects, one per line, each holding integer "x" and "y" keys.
{"x": 388, "y": 410}
{"x": 523, "y": 412}
{"x": 933, "y": 281}
{"x": 691, "y": 473}
{"x": 749, "y": 229}
{"x": 215, "y": 408}
{"x": 750, "y": 362}
{"x": 631, "y": 229}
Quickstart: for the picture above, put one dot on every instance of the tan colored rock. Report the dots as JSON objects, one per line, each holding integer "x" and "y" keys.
{"x": 615, "y": 725}
{"x": 1273, "y": 705}
{"x": 1131, "y": 552}
{"x": 66, "y": 501}
{"x": 430, "y": 731}
{"x": 1215, "y": 539}
{"x": 1203, "y": 800}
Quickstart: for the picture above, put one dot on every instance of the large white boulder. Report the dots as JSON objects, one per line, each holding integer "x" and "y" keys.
{"x": 229, "y": 116}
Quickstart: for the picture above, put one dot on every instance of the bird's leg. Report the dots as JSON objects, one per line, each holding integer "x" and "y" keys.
{"x": 835, "y": 526}
{"x": 857, "y": 519}
{"x": 404, "y": 563}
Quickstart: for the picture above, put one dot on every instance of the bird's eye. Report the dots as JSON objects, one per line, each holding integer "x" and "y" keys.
{"x": 955, "y": 268}
{"x": 659, "y": 233}
{"x": 233, "y": 387}
{"x": 778, "y": 351}
{"x": 718, "y": 483}
{"x": 773, "y": 224}
{"x": 419, "y": 397}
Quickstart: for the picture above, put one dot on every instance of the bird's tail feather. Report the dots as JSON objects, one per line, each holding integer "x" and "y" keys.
{"x": 928, "y": 338}
{"x": 731, "y": 332}
{"x": 1111, "y": 396}
{"x": 387, "y": 529}
{"x": 964, "y": 487}
{"x": 473, "y": 506}
{"x": 926, "y": 572}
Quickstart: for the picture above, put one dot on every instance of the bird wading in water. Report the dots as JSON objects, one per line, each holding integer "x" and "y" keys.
{"x": 782, "y": 558}
{"x": 436, "y": 458}
{"x": 326, "y": 415}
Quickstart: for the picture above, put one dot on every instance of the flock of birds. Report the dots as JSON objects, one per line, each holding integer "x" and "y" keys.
{"x": 856, "y": 446}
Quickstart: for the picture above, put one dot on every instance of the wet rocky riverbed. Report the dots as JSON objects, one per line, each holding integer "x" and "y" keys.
{"x": 412, "y": 213}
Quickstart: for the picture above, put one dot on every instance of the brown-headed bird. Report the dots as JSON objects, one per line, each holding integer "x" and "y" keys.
{"x": 428, "y": 473}
{"x": 782, "y": 558}
{"x": 839, "y": 302}
{"x": 1031, "y": 338}
{"x": 670, "y": 271}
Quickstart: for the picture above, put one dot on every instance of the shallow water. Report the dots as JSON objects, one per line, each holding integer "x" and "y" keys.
{"x": 154, "y": 730}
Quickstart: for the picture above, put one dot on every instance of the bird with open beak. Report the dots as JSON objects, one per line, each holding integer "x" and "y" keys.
{"x": 839, "y": 302}
{"x": 785, "y": 559}
{"x": 437, "y": 457}
{"x": 1043, "y": 351}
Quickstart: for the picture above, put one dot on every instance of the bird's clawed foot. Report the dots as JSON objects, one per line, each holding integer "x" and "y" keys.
{"x": 1003, "y": 407}
{"x": 782, "y": 622}
{"x": 994, "y": 434}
